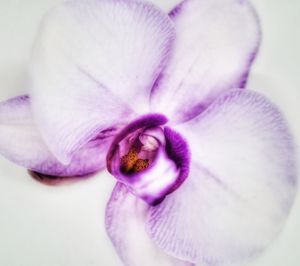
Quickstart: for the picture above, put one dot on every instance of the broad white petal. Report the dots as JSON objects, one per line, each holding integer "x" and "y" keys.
{"x": 216, "y": 43}
{"x": 241, "y": 185}
{"x": 93, "y": 66}
{"x": 21, "y": 143}
{"x": 125, "y": 224}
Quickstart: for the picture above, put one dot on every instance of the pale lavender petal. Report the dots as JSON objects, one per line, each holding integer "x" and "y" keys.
{"x": 216, "y": 43}
{"x": 21, "y": 143}
{"x": 125, "y": 225}
{"x": 241, "y": 185}
{"x": 94, "y": 64}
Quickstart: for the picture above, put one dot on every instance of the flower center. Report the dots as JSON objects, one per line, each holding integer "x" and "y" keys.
{"x": 149, "y": 158}
{"x": 130, "y": 163}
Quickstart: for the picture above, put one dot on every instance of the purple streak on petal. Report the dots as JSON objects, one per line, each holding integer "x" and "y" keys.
{"x": 216, "y": 44}
{"x": 244, "y": 77}
{"x": 16, "y": 100}
{"x": 21, "y": 143}
{"x": 253, "y": 55}
{"x": 241, "y": 186}
{"x": 177, "y": 9}
{"x": 125, "y": 224}
{"x": 195, "y": 110}
{"x": 149, "y": 120}
{"x": 178, "y": 151}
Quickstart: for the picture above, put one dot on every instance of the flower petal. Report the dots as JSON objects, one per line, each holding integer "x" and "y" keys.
{"x": 216, "y": 43}
{"x": 241, "y": 185}
{"x": 125, "y": 220}
{"x": 21, "y": 143}
{"x": 94, "y": 65}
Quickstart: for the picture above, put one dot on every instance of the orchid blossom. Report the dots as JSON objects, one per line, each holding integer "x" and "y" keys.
{"x": 205, "y": 168}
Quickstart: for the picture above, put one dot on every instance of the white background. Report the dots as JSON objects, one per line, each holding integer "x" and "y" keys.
{"x": 64, "y": 226}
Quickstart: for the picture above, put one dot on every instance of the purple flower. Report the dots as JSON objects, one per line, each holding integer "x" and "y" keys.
{"x": 205, "y": 168}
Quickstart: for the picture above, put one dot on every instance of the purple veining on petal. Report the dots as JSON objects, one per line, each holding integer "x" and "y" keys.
{"x": 125, "y": 218}
{"x": 21, "y": 142}
{"x": 85, "y": 163}
{"x": 241, "y": 186}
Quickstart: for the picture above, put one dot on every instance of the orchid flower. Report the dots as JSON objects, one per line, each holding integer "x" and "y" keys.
{"x": 205, "y": 168}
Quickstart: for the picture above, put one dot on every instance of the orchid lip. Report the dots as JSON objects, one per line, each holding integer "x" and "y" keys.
{"x": 151, "y": 159}
{"x": 151, "y": 120}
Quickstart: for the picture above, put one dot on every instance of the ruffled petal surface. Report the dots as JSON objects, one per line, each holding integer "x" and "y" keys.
{"x": 93, "y": 66}
{"x": 21, "y": 143}
{"x": 216, "y": 43}
{"x": 125, "y": 224}
{"x": 241, "y": 185}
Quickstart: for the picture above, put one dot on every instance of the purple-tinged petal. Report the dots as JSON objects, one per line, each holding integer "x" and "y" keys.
{"x": 178, "y": 151}
{"x": 125, "y": 225}
{"x": 216, "y": 43}
{"x": 21, "y": 143}
{"x": 94, "y": 64}
{"x": 241, "y": 185}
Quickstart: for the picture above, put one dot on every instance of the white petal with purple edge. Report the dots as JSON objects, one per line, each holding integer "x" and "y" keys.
{"x": 94, "y": 64}
{"x": 125, "y": 224}
{"x": 241, "y": 185}
{"x": 216, "y": 43}
{"x": 21, "y": 143}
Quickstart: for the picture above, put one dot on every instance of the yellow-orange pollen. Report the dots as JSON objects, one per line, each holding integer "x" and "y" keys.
{"x": 131, "y": 163}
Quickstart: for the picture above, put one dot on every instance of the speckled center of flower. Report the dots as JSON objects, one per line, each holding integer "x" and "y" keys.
{"x": 149, "y": 158}
{"x": 131, "y": 163}
{"x": 140, "y": 150}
